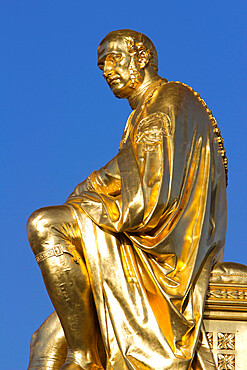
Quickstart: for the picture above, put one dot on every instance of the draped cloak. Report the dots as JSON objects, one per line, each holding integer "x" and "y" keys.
{"x": 153, "y": 223}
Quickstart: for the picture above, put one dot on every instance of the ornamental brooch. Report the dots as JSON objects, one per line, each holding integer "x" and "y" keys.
{"x": 151, "y": 130}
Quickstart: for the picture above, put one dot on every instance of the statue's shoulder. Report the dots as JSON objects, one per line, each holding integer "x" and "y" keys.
{"x": 176, "y": 91}
{"x": 173, "y": 95}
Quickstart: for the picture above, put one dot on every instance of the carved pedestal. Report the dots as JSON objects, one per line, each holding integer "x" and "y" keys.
{"x": 225, "y": 316}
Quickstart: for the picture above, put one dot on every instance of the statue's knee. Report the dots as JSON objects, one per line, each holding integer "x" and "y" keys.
{"x": 45, "y": 227}
{"x": 38, "y": 225}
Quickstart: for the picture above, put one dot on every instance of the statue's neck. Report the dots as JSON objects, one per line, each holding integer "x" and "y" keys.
{"x": 139, "y": 93}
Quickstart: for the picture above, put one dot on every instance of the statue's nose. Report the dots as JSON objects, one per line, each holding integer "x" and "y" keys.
{"x": 108, "y": 67}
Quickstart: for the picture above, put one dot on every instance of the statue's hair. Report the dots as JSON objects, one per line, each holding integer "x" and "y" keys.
{"x": 136, "y": 43}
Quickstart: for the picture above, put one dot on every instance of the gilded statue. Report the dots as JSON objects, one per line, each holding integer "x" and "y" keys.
{"x": 126, "y": 259}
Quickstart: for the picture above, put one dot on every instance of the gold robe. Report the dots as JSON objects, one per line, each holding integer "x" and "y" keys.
{"x": 153, "y": 223}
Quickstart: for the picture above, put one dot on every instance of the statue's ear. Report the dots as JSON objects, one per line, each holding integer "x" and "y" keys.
{"x": 143, "y": 58}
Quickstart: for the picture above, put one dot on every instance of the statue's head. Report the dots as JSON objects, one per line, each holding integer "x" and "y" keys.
{"x": 125, "y": 57}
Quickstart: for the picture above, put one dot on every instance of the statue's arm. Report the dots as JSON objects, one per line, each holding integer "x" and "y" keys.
{"x": 104, "y": 181}
{"x": 132, "y": 191}
{"x": 121, "y": 195}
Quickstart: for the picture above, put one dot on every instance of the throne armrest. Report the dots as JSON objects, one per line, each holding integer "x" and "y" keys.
{"x": 227, "y": 292}
{"x": 229, "y": 273}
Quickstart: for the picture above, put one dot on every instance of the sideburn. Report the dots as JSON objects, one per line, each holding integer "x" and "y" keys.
{"x": 136, "y": 77}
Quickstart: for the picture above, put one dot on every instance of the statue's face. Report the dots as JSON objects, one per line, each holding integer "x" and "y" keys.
{"x": 120, "y": 69}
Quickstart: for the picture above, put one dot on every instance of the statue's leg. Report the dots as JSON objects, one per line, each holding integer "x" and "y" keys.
{"x": 48, "y": 349}
{"x": 55, "y": 238}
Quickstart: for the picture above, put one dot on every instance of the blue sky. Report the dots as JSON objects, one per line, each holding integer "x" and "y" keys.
{"x": 60, "y": 121}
